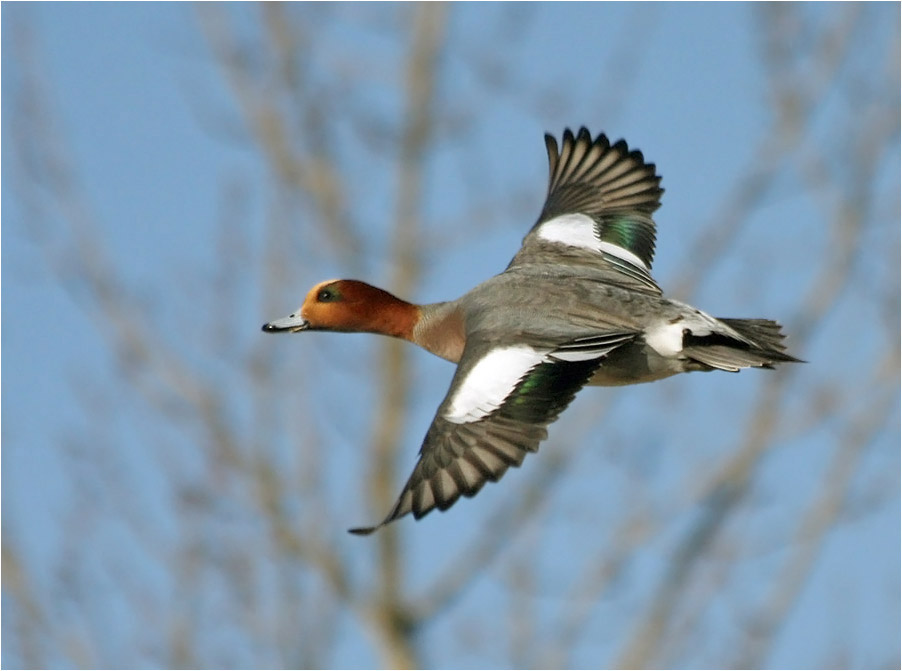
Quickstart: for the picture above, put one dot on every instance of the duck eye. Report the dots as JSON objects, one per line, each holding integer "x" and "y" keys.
{"x": 326, "y": 296}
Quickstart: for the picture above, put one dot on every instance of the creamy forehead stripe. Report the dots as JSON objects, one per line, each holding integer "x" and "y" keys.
{"x": 490, "y": 382}
{"x": 578, "y": 230}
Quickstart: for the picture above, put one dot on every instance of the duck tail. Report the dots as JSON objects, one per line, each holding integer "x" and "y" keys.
{"x": 760, "y": 346}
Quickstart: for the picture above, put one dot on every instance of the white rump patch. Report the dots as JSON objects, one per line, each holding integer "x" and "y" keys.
{"x": 578, "y": 230}
{"x": 491, "y": 381}
{"x": 666, "y": 339}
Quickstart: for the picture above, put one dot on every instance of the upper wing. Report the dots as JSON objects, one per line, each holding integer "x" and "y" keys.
{"x": 598, "y": 210}
{"x": 500, "y": 402}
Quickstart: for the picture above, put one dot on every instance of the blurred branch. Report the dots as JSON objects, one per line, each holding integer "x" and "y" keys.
{"x": 249, "y": 464}
{"x": 727, "y": 489}
{"x": 307, "y": 164}
{"x": 391, "y": 615}
{"x": 820, "y": 518}
{"x": 27, "y": 619}
{"x": 798, "y": 89}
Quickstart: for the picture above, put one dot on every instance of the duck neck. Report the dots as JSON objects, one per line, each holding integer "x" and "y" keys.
{"x": 440, "y": 330}
{"x": 436, "y": 327}
{"x": 387, "y": 314}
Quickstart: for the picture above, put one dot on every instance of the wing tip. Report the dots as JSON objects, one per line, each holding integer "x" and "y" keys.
{"x": 365, "y": 531}
{"x": 575, "y": 147}
{"x": 400, "y": 509}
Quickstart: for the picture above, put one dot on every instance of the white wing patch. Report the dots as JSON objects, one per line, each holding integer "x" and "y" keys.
{"x": 491, "y": 381}
{"x": 578, "y": 230}
{"x": 578, "y": 355}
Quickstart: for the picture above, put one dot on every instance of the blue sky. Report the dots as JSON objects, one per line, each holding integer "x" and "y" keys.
{"x": 162, "y": 155}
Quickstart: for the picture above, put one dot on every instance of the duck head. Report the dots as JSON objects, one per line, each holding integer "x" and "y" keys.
{"x": 350, "y": 306}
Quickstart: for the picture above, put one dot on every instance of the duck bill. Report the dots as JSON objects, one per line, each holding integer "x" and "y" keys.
{"x": 291, "y": 323}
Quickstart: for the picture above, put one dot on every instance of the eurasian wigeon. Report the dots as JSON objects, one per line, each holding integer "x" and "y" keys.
{"x": 576, "y": 306}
